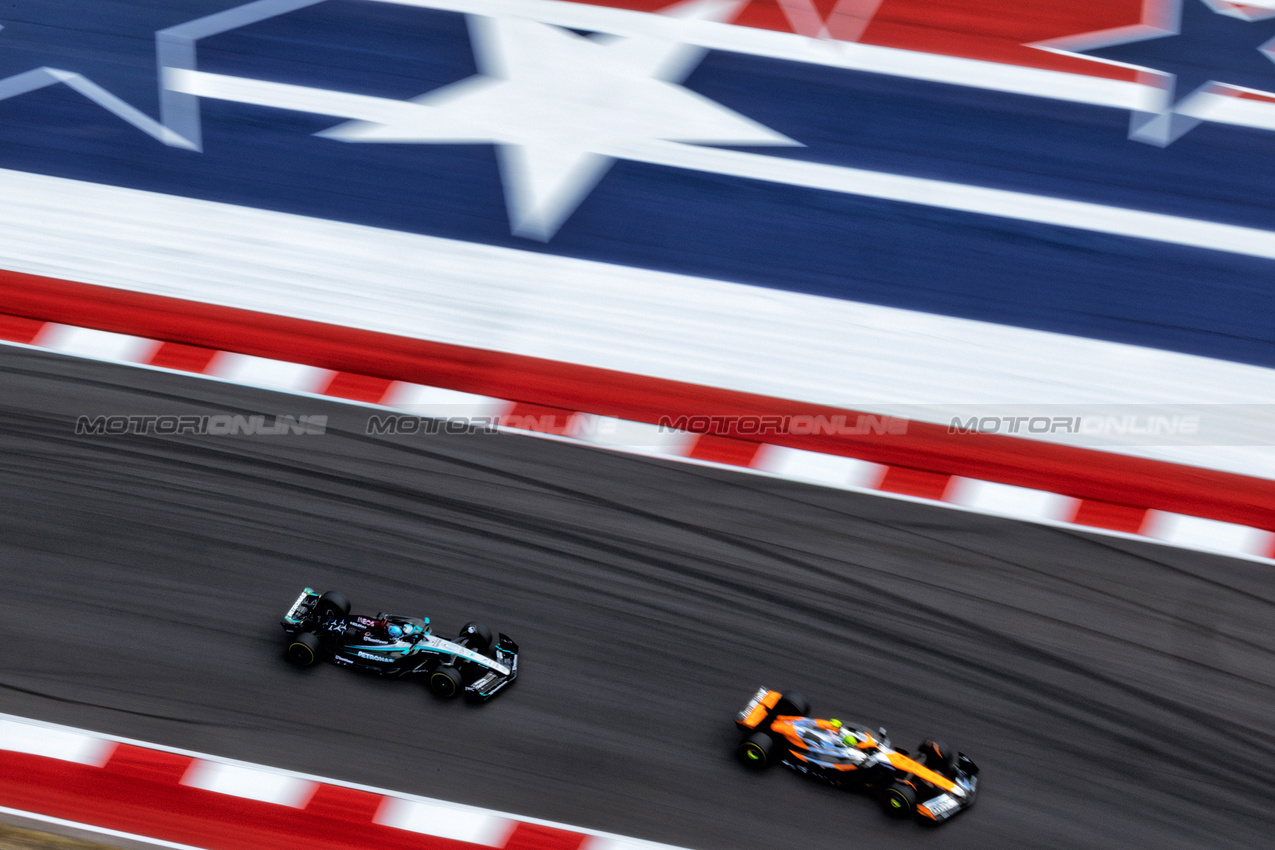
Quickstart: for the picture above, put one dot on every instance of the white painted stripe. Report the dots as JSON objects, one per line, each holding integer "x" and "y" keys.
{"x": 819, "y": 468}
{"x": 445, "y": 820}
{"x": 1230, "y": 110}
{"x": 268, "y": 374}
{"x": 798, "y": 48}
{"x": 52, "y": 742}
{"x": 1007, "y": 500}
{"x": 1207, "y": 534}
{"x": 440, "y": 403}
{"x": 1019, "y": 206}
{"x": 625, "y": 435}
{"x": 678, "y": 327}
{"x": 250, "y": 783}
{"x": 100, "y": 345}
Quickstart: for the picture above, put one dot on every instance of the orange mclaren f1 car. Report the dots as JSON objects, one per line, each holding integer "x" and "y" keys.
{"x": 935, "y": 784}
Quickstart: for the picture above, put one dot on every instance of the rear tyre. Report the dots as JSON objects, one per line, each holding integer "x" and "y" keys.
{"x": 478, "y": 637}
{"x": 445, "y": 682}
{"x": 793, "y": 703}
{"x": 303, "y": 649}
{"x": 332, "y": 604}
{"x": 755, "y": 751}
{"x": 899, "y": 800}
{"x": 938, "y": 757}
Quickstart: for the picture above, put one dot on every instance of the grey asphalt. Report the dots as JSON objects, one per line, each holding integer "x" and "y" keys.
{"x": 1115, "y": 693}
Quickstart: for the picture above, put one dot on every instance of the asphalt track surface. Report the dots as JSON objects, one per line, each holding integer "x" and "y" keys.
{"x": 1115, "y": 693}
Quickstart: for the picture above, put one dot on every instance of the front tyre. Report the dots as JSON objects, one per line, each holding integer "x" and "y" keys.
{"x": 899, "y": 800}
{"x": 755, "y": 751}
{"x": 445, "y": 682}
{"x": 477, "y": 637}
{"x": 303, "y": 649}
{"x": 938, "y": 757}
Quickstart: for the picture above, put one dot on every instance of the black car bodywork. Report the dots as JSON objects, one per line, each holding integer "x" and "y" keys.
{"x": 321, "y": 626}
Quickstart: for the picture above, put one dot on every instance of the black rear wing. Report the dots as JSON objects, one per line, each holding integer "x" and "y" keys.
{"x": 300, "y": 612}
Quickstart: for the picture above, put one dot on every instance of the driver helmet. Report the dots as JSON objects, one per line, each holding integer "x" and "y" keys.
{"x": 848, "y": 737}
{"x": 394, "y": 631}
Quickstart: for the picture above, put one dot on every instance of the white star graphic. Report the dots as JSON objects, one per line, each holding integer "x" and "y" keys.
{"x": 562, "y": 107}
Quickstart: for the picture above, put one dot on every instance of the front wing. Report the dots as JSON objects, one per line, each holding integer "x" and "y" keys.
{"x": 492, "y": 682}
{"x": 947, "y": 804}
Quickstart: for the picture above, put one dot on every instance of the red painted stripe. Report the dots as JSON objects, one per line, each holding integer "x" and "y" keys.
{"x": 1002, "y": 30}
{"x": 18, "y": 329}
{"x": 530, "y": 836}
{"x": 1111, "y": 517}
{"x": 724, "y": 450}
{"x": 538, "y": 417}
{"x": 760, "y": 14}
{"x": 1082, "y": 473}
{"x": 137, "y": 792}
{"x": 358, "y": 387}
{"x": 1248, "y": 95}
{"x": 188, "y": 358}
{"x": 991, "y": 30}
{"x": 344, "y": 804}
{"x": 914, "y": 482}
{"x": 147, "y": 765}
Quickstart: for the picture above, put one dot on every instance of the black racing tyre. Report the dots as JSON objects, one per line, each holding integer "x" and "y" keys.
{"x": 899, "y": 800}
{"x": 793, "y": 703}
{"x": 332, "y": 604}
{"x": 755, "y": 750}
{"x": 479, "y": 636}
{"x": 938, "y": 757}
{"x": 445, "y": 682}
{"x": 303, "y": 649}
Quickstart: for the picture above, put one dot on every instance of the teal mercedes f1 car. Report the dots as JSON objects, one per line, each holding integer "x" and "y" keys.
{"x": 320, "y": 626}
